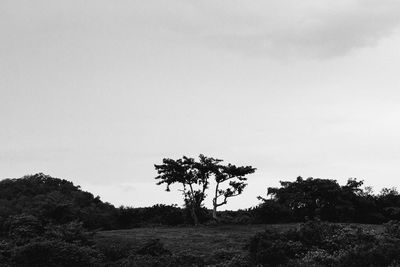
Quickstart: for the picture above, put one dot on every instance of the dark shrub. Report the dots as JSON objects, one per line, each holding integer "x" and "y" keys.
{"x": 72, "y": 232}
{"x": 23, "y": 227}
{"x": 272, "y": 249}
{"x": 323, "y": 244}
{"x": 270, "y": 211}
{"x": 165, "y": 214}
{"x": 392, "y": 228}
{"x": 114, "y": 250}
{"x": 159, "y": 214}
{"x": 235, "y": 217}
{"x": 381, "y": 253}
{"x": 153, "y": 248}
{"x": 54, "y": 253}
{"x": 203, "y": 215}
{"x": 162, "y": 261}
{"x": 5, "y": 248}
{"x": 315, "y": 258}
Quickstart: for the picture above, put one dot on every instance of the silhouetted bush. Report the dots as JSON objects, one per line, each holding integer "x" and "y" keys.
{"x": 392, "y": 228}
{"x": 322, "y": 244}
{"x": 271, "y": 211}
{"x": 72, "y": 232}
{"x": 29, "y": 242}
{"x": 325, "y": 199}
{"x": 153, "y": 248}
{"x": 272, "y": 249}
{"x": 159, "y": 214}
{"x": 21, "y": 228}
{"x": 114, "y": 250}
{"x": 54, "y": 253}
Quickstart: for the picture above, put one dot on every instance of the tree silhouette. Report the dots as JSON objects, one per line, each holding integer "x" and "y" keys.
{"x": 194, "y": 177}
{"x": 236, "y": 177}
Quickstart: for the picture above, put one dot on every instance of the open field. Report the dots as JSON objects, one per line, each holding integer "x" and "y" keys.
{"x": 202, "y": 240}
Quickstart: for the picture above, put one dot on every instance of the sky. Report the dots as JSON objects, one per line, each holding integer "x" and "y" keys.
{"x": 99, "y": 91}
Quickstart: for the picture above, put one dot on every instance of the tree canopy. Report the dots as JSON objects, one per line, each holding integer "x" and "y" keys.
{"x": 194, "y": 177}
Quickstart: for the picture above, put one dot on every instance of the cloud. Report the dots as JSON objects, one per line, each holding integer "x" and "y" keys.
{"x": 281, "y": 28}
{"x": 288, "y": 28}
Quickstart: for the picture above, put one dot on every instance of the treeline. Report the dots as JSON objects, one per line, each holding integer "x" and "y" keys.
{"x": 58, "y": 201}
{"x": 326, "y": 200}
{"x": 297, "y": 201}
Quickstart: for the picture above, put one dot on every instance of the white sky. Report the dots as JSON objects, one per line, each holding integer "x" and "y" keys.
{"x": 98, "y": 91}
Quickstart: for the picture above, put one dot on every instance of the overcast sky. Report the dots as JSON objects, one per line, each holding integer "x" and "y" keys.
{"x": 98, "y": 91}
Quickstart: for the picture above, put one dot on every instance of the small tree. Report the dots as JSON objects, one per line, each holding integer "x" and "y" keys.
{"x": 194, "y": 177}
{"x": 236, "y": 177}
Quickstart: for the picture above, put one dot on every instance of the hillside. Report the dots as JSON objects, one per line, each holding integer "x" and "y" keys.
{"x": 204, "y": 240}
{"x": 53, "y": 200}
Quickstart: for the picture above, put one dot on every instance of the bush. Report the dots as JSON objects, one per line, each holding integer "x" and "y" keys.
{"x": 272, "y": 249}
{"x": 5, "y": 248}
{"x": 23, "y": 227}
{"x": 29, "y": 243}
{"x": 114, "y": 250}
{"x": 381, "y": 253}
{"x": 54, "y": 253}
{"x": 392, "y": 228}
{"x": 72, "y": 232}
{"x": 172, "y": 260}
{"x": 271, "y": 211}
{"x": 153, "y": 248}
{"x": 156, "y": 215}
{"x": 316, "y": 258}
{"x": 323, "y": 244}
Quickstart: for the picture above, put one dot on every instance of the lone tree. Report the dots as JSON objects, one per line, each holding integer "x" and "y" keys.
{"x": 236, "y": 177}
{"x": 194, "y": 176}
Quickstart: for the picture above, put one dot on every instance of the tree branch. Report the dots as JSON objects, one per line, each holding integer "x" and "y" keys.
{"x": 225, "y": 199}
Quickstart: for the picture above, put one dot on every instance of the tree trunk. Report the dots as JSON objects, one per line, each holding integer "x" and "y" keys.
{"x": 214, "y": 214}
{"x": 194, "y": 216}
{"x": 215, "y": 199}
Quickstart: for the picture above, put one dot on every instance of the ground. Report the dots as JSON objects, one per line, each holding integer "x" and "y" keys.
{"x": 201, "y": 241}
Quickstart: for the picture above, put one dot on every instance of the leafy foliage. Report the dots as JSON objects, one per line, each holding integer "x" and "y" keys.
{"x": 322, "y": 244}
{"x": 159, "y": 214}
{"x": 30, "y": 243}
{"x": 325, "y": 199}
{"x": 194, "y": 176}
{"x": 54, "y": 253}
{"x": 53, "y": 200}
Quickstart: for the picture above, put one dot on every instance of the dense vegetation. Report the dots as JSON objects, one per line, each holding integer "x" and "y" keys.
{"x": 47, "y": 221}
{"x": 323, "y": 244}
{"x": 58, "y": 201}
{"x": 313, "y": 243}
{"x": 326, "y": 200}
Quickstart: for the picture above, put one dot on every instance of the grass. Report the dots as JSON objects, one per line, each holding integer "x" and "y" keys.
{"x": 207, "y": 242}
{"x": 202, "y": 241}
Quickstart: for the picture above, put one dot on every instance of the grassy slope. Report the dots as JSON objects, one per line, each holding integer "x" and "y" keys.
{"x": 202, "y": 240}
